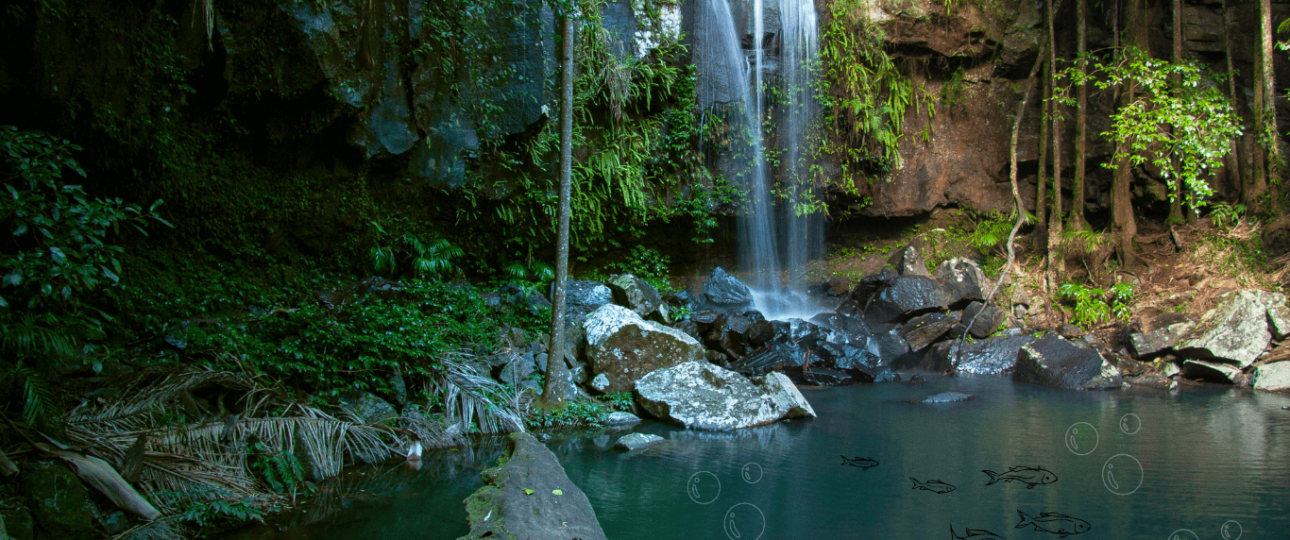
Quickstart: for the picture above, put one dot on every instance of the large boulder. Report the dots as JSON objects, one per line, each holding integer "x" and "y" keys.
{"x": 1274, "y": 377}
{"x": 926, "y": 329}
{"x": 699, "y": 395}
{"x": 59, "y": 502}
{"x": 988, "y": 319}
{"x": 623, "y": 347}
{"x": 519, "y": 498}
{"x": 994, "y": 356}
{"x": 582, "y": 297}
{"x": 725, "y": 292}
{"x": 905, "y": 298}
{"x": 1056, "y": 363}
{"x": 1234, "y": 331}
{"x": 963, "y": 281}
{"x": 634, "y": 294}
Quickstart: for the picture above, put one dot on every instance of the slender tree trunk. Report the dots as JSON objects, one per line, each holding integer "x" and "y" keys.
{"x": 1232, "y": 162}
{"x": 1081, "y": 120}
{"x": 1175, "y": 200}
{"x": 1258, "y": 154}
{"x": 1056, "y": 264}
{"x": 1273, "y": 156}
{"x": 559, "y": 383}
{"x": 1123, "y": 222}
{"x": 1041, "y": 188}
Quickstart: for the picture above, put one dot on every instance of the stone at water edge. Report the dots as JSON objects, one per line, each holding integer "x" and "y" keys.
{"x": 1235, "y": 331}
{"x": 1211, "y": 371}
{"x": 1161, "y": 338}
{"x": 618, "y": 418}
{"x": 503, "y": 509}
{"x": 1056, "y": 363}
{"x": 993, "y": 356}
{"x": 926, "y": 329}
{"x": 636, "y": 441}
{"x": 1274, "y": 377}
{"x": 623, "y": 347}
{"x": 699, "y": 395}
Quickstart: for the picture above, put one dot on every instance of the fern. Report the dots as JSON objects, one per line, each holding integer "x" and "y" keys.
{"x": 38, "y": 399}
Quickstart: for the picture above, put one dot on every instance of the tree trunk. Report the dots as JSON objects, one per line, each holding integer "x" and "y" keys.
{"x": 1175, "y": 200}
{"x": 1056, "y": 264}
{"x": 1041, "y": 188}
{"x": 1081, "y": 120}
{"x": 1233, "y": 162}
{"x": 1273, "y": 156}
{"x": 1259, "y": 180}
{"x": 1123, "y": 222}
{"x": 558, "y": 387}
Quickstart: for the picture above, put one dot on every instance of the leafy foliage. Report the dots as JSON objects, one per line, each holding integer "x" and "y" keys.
{"x": 576, "y": 413}
{"x": 1180, "y": 120}
{"x": 1094, "y": 305}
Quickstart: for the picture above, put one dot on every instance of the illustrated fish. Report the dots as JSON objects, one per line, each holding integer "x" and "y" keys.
{"x": 1031, "y": 476}
{"x": 974, "y": 534}
{"x": 935, "y": 486}
{"x": 863, "y": 463}
{"x": 1052, "y": 522}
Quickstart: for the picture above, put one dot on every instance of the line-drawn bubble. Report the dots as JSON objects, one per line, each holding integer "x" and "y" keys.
{"x": 744, "y": 521}
{"x": 1122, "y": 474}
{"x": 751, "y": 473}
{"x": 1081, "y": 438}
{"x": 1231, "y": 530}
{"x": 703, "y": 487}
{"x": 1130, "y": 424}
{"x": 1183, "y": 534}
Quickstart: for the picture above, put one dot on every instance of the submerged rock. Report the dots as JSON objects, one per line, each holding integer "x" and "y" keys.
{"x": 519, "y": 500}
{"x": 699, "y": 395}
{"x": 1056, "y": 363}
{"x": 636, "y": 441}
{"x": 623, "y": 347}
{"x": 618, "y": 418}
{"x": 1274, "y": 377}
{"x": 723, "y": 291}
{"x": 1235, "y": 331}
{"x": 948, "y": 397}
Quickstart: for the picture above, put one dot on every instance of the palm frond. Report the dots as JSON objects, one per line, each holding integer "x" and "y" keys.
{"x": 472, "y": 399}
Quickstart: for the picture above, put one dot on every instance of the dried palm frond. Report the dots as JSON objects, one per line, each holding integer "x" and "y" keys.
{"x": 474, "y": 399}
{"x": 148, "y": 393}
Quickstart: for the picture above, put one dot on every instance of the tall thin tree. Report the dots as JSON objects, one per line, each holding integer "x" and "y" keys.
{"x": 1175, "y": 201}
{"x": 558, "y": 387}
{"x": 1258, "y": 153}
{"x": 1056, "y": 262}
{"x": 1268, "y": 82}
{"x": 1123, "y": 222}
{"x": 1235, "y": 178}
{"x": 1081, "y": 121}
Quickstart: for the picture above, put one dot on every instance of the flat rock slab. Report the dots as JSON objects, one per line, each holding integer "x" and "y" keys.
{"x": 948, "y": 397}
{"x": 1235, "y": 331}
{"x": 1274, "y": 377}
{"x": 518, "y": 498}
{"x": 1159, "y": 339}
{"x": 699, "y": 395}
{"x": 1056, "y": 363}
{"x": 624, "y": 347}
{"x": 1211, "y": 371}
{"x": 637, "y": 441}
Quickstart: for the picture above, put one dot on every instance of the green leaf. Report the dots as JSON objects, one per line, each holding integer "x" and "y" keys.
{"x": 557, "y": 492}
{"x": 57, "y": 255}
{"x": 528, "y": 491}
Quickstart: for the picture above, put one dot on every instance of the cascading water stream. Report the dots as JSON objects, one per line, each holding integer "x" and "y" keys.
{"x": 761, "y": 226}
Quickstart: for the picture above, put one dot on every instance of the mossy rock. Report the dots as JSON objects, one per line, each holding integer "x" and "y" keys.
{"x": 59, "y": 503}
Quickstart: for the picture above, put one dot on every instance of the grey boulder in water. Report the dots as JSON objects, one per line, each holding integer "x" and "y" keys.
{"x": 948, "y": 397}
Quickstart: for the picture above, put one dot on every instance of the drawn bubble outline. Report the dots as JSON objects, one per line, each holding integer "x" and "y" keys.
{"x": 1174, "y": 535}
{"x": 727, "y": 522}
{"x": 743, "y": 472}
{"x": 1141, "y": 477}
{"x": 1240, "y": 531}
{"x": 1066, "y": 438}
{"x": 689, "y": 484}
{"x": 1135, "y": 430}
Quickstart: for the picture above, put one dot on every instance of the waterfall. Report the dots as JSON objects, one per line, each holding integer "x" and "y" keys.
{"x": 799, "y": 47}
{"x": 731, "y": 77}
